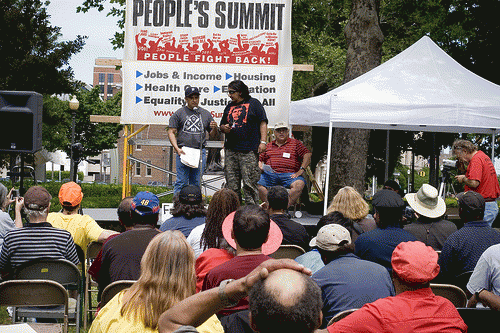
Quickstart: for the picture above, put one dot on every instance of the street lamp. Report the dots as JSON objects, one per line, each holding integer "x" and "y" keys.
{"x": 73, "y": 105}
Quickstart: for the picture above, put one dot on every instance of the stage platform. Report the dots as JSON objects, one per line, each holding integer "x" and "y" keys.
{"x": 107, "y": 217}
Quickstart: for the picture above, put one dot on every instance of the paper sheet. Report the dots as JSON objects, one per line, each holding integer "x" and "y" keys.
{"x": 191, "y": 157}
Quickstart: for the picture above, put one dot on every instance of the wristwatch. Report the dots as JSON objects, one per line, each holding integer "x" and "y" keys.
{"x": 222, "y": 294}
{"x": 303, "y": 168}
{"x": 477, "y": 293}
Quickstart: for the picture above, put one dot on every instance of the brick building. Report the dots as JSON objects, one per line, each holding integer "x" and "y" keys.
{"x": 108, "y": 79}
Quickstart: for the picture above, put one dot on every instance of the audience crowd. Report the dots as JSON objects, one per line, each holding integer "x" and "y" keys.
{"x": 209, "y": 267}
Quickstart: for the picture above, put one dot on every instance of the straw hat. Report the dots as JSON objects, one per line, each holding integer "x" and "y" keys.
{"x": 426, "y": 202}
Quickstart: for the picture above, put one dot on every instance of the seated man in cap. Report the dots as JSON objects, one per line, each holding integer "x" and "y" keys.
{"x": 377, "y": 245}
{"x": 38, "y": 239}
{"x": 120, "y": 260}
{"x": 429, "y": 228}
{"x": 293, "y": 232}
{"x": 83, "y": 228}
{"x": 284, "y": 162}
{"x": 187, "y": 128}
{"x": 346, "y": 281}
{"x": 463, "y": 248}
{"x": 188, "y": 212}
{"x": 250, "y": 231}
{"x": 415, "y": 308}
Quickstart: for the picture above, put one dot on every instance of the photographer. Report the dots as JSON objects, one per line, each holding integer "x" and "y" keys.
{"x": 6, "y": 223}
{"x": 480, "y": 176}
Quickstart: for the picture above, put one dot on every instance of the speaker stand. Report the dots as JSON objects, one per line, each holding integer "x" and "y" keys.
{"x": 13, "y": 175}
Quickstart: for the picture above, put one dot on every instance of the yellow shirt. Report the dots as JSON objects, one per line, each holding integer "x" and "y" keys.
{"x": 83, "y": 228}
{"x": 109, "y": 319}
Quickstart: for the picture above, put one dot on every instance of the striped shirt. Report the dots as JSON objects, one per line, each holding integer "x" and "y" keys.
{"x": 286, "y": 158}
{"x": 36, "y": 240}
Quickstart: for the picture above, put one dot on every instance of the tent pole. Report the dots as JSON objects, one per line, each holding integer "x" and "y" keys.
{"x": 386, "y": 171}
{"x": 493, "y": 148}
{"x": 328, "y": 158}
{"x": 412, "y": 171}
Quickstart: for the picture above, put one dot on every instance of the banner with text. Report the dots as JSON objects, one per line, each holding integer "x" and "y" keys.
{"x": 153, "y": 94}
{"x": 174, "y": 44}
{"x": 230, "y": 32}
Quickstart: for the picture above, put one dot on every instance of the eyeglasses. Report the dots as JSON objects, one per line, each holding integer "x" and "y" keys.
{"x": 230, "y": 92}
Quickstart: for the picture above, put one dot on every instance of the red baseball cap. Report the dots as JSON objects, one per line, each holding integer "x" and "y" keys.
{"x": 415, "y": 262}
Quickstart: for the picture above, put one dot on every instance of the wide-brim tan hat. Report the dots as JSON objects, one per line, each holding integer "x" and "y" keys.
{"x": 427, "y": 202}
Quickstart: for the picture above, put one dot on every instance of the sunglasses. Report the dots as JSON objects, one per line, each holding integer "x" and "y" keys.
{"x": 230, "y": 92}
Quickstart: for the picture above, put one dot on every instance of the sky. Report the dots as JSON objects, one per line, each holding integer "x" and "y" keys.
{"x": 94, "y": 24}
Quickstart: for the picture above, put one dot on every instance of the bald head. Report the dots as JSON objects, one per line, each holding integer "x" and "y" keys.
{"x": 286, "y": 286}
{"x": 285, "y": 294}
{"x": 124, "y": 212}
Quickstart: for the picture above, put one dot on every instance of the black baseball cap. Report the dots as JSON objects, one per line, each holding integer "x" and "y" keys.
{"x": 387, "y": 199}
{"x": 190, "y": 194}
{"x": 471, "y": 201}
{"x": 191, "y": 91}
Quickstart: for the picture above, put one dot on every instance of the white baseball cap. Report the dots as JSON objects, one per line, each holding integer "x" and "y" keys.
{"x": 330, "y": 237}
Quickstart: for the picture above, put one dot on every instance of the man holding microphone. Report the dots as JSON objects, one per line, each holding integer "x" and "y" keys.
{"x": 187, "y": 128}
{"x": 480, "y": 176}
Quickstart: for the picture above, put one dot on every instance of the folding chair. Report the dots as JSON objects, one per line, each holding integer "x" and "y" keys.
{"x": 23, "y": 293}
{"x": 453, "y": 293}
{"x": 114, "y": 288}
{"x": 59, "y": 270}
{"x": 288, "y": 251}
{"x": 340, "y": 315}
{"x": 461, "y": 281}
{"x": 92, "y": 252}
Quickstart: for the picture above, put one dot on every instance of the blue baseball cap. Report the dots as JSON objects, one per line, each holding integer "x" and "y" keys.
{"x": 191, "y": 91}
{"x": 145, "y": 203}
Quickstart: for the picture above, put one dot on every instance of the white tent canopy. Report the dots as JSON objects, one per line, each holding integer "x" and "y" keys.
{"x": 420, "y": 89}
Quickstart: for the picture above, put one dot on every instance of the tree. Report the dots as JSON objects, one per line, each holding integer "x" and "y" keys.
{"x": 31, "y": 58}
{"x": 317, "y": 38}
{"x": 350, "y": 146}
{"x": 466, "y": 30}
{"x": 116, "y": 11}
{"x": 94, "y": 137}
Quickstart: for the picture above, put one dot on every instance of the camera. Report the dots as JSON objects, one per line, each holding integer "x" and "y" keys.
{"x": 14, "y": 194}
{"x": 450, "y": 164}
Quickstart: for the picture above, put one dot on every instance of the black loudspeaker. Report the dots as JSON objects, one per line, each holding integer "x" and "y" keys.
{"x": 21, "y": 121}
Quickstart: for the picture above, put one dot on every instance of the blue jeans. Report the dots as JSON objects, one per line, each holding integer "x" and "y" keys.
{"x": 490, "y": 212}
{"x": 187, "y": 175}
